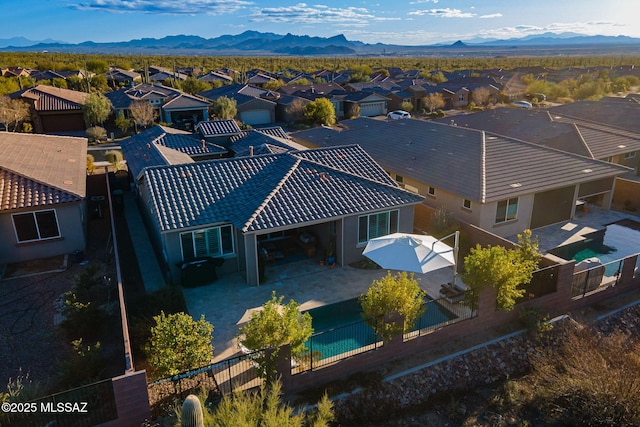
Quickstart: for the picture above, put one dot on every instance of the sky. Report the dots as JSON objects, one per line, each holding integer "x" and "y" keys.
{"x": 404, "y": 22}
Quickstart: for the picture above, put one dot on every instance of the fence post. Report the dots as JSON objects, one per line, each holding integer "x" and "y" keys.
{"x": 283, "y": 366}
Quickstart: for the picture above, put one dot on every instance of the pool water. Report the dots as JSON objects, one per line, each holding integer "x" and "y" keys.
{"x": 613, "y": 243}
{"x": 345, "y": 331}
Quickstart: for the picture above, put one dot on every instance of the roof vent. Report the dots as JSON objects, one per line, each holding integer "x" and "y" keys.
{"x": 622, "y": 146}
{"x": 68, "y": 182}
{"x": 515, "y": 185}
{"x": 587, "y": 170}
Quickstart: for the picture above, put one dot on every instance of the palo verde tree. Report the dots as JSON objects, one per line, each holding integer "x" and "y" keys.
{"x": 13, "y": 112}
{"x": 321, "y": 112}
{"x": 398, "y": 293}
{"x": 433, "y": 101}
{"x": 96, "y": 109}
{"x": 505, "y": 269}
{"x": 274, "y": 326}
{"x": 225, "y": 108}
{"x": 142, "y": 113}
{"x": 179, "y": 343}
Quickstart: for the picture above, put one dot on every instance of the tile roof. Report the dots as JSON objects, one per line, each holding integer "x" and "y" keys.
{"x": 161, "y": 145}
{"x": 211, "y": 128}
{"x": 49, "y": 98}
{"x": 41, "y": 170}
{"x": 614, "y": 114}
{"x": 264, "y": 192}
{"x": 256, "y": 138}
{"x": 470, "y": 163}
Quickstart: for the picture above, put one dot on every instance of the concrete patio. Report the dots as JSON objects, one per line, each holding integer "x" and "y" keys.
{"x": 229, "y": 302}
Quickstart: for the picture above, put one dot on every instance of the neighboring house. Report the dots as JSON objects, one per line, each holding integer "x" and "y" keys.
{"x": 233, "y": 208}
{"x": 615, "y": 114}
{"x": 54, "y": 109}
{"x": 577, "y": 136}
{"x": 42, "y": 196}
{"x": 218, "y": 131}
{"x": 500, "y": 184}
{"x": 162, "y": 145}
{"x": 365, "y": 104}
{"x": 119, "y": 78}
{"x": 255, "y": 106}
{"x": 172, "y": 105}
{"x": 160, "y": 74}
{"x": 263, "y": 141}
{"x": 215, "y": 76}
{"x": 46, "y": 75}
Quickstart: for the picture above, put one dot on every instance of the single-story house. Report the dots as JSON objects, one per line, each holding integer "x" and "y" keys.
{"x": 500, "y": 184}
{"x": 172, "y": 105}
{"x": 255, "y": 106}
{"x": 54, "y": 109}
{"x": 236, "y": 209}
{"x": 368, "y": 104}
{"x": 42, "y": 196}
{"x": 119, "y": 78}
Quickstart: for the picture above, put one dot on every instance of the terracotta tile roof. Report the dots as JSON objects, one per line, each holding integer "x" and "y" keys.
{"x": 49, "y": 98}
{"x": 41, "y": 170}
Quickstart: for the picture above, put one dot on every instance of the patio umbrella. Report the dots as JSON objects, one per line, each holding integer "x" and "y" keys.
{"x": 412, "y": 252}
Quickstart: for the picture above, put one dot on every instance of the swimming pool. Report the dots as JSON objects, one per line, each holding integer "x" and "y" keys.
{"x": 339, "y": 328}
{"x": 615, "y": 242}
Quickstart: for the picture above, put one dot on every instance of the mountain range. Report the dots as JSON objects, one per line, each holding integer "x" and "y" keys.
{"x": 258, "y": 43}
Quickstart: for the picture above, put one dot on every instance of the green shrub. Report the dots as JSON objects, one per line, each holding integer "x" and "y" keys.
{"x": 96, "y": 134}
{"x": 535, "y": 321}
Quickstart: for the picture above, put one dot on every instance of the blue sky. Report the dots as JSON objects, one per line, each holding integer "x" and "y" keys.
{"x": 410, "y": 22}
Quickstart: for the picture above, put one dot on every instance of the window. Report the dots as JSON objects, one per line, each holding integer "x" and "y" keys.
{"x": 461, "y": 97}
{"x": 216, "y": 241}
{"x": 399, "y": 179}
{"x": 630, "y": 155}
{"x": 507, "y": 210}
{"x": 431, "y": 191}
{"x": 376, "y": 225}
{"x": 40, "y": 225}
{"x": 466, "y": 203}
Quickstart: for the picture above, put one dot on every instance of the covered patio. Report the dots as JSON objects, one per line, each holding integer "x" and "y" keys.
{"x": 228, "y": 302}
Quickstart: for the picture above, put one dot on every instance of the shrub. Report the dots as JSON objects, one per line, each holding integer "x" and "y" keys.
{"x": 535, "y": 321}
{"x": 90, "y": 164}
{"x": 96, "y": 134}
{"x": 114, "y": 157}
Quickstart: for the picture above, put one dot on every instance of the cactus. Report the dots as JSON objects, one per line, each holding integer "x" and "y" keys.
{"x": 191, "y": 414}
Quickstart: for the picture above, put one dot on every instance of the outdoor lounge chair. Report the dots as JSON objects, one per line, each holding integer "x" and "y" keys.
{"x": 452, "y": 293}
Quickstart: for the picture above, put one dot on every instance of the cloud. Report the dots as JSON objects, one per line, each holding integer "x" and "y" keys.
{"x": 493, "y": 15}
{"x": 443, "y": 13}
{"x": 517, "y": 31}
{"x": 317, "y": 14}
{"x": 423, "y": 1}
{"x": 169, "y": 7}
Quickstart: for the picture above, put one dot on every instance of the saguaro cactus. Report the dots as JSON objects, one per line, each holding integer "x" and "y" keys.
{"x": 191, "y": 414}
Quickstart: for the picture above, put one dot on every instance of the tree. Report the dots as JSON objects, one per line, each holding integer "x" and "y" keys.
{"x": 96, "y": 109}
{"x": 194, "y": 86}
{"x": 320, "y": 111}
{"x": 225, "y": 108}
{"x": 13, "y": 111}
{"x": 263, "y": 407}
{"x": 179, "y": 343}
{"x": 406, "y": 106}
{"x": 480, "y": 96}
{"x": 393, "y": 294}
{"x": 360, "y": 73}
{"x": 505, "y": 269}
{"x": 433, "y": 101}
{"x": 142, "y": 113}
{"x": 274, "y": 326}
{"x": 122, "y": 122}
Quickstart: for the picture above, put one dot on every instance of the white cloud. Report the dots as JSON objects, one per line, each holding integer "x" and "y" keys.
{"x": 423, "y": 1}
{"x": 493, "y": 15}
{"x": 169, "y": 7}
{"x": 443, "y": 13}
{"x": 317, "y": 14}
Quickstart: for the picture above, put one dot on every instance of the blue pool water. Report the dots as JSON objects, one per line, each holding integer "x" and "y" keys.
{"x": 615, "y": 242}
{"x": 345, "y": 331}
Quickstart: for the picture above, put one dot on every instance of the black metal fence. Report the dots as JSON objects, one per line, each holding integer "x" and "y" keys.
{"x": 439, "y": 313}
{"x": 84, "y": 406}
{"x": 218, "y": 379}
{"x": 597, "y": 277}
{"x": 339, "y": 343}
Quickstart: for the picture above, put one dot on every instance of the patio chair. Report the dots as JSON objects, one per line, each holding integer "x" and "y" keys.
{"x": 452, "y": 293}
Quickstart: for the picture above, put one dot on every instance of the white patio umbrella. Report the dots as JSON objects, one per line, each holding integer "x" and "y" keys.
{"x": 413, "y": 252}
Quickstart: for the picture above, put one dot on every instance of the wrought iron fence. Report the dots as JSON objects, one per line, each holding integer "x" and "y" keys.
{"x": 595, "y": 278}
{"x": 339, "y": 343}
{"x": 439, "y": 313}
{"x": 84, "y": 406}
{"x": 218, "y": 379}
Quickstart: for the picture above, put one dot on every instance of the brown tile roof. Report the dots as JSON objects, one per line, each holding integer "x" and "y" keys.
{"x": 41, "y": 170}
{"x": 49, "y": 98}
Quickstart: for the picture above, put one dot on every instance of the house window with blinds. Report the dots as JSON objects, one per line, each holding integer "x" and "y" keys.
{"x": 377, "y": 225}
{"x": 213, "y": 242}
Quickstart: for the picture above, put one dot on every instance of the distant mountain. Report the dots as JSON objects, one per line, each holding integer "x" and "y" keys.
{"x": 257, "y": 43}
{"x": 22, "y": 42}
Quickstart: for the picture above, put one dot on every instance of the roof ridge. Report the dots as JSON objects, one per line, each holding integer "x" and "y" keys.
{"x": 483, "y": 169}
{"x": 46, "y": 184}
{"x": 584, "y": 143}
{"x": 273, "y": 192}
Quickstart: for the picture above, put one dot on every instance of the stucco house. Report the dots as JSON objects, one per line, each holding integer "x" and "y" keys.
{"x": 255, "y": 106}
{"x": 500, "y": 184}
{"x": 241, "y": 210}
{"x": 54, "y": 109}
{"x": 42, "y": 196}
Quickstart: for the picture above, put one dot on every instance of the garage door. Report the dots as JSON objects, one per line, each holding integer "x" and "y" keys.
{"x": 372, "y": 109}
{"x": 256, "y": 117}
